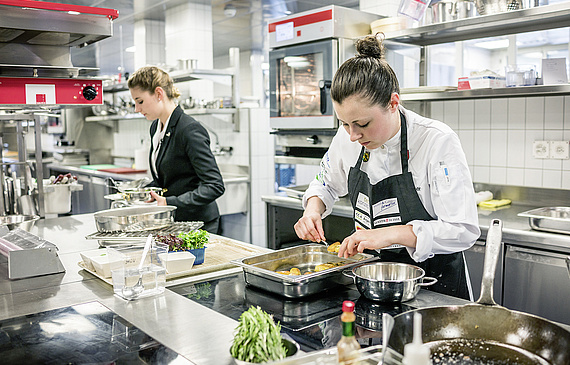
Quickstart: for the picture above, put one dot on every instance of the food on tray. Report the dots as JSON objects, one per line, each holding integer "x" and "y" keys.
{"x": 257, "y": 338}
{"x": 319, "y": 267}
{"x": 325, "y": 266}
{"x": 334, "y": 247}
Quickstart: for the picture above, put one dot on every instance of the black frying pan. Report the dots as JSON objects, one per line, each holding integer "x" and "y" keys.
{"x": 484, "y": 332}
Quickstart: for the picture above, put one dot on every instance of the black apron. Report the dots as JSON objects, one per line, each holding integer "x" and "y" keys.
{"x": 396, "y": 202}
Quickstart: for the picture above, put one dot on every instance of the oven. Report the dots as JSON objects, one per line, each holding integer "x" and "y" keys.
{"x": 306, "y": 51}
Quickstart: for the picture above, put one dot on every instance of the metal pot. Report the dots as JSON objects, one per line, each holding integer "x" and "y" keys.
{"x": 443, "y": 11}
{"x": 483, "y": 331}
{"x": 486, "y": 7}
{"x": 389, "y": 281}
{"x": 140, "y": 195}
{"x": 25, "y": 222}
{"x": 132, "y": 219}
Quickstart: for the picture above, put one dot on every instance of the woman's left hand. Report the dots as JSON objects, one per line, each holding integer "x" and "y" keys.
{"x": 376, "y": 238}
{"x": 160, "y": 200}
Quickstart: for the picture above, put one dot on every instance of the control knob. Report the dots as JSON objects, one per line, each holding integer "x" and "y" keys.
{"x": 89, "y": 92}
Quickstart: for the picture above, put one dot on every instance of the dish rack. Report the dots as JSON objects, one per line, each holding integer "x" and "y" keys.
{"x": 114, "y": 238}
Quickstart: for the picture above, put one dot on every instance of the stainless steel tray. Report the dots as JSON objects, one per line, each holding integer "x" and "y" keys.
{"x": 260, "y": 270}
{"x": 114, "y": 238}
{"x": 549, "y": 219}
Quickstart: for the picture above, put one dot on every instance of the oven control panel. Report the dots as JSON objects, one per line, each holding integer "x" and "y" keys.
{"x": 50, "y": 91}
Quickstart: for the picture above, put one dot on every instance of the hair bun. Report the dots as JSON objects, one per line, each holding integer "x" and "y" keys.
{"x": 371, "y": 46}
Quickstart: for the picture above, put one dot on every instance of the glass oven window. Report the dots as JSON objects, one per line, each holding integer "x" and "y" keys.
{"x": 298, "y": 80}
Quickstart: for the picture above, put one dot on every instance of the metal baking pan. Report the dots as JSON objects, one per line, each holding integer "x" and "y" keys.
{"x": 260, "y": 270}
{"x": 549, "y": 219}
{"x": 134, "y": 218}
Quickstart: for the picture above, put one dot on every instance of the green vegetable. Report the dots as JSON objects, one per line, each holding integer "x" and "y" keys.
{"x": 194, "y": 239}
{"x": 257, "y": 338}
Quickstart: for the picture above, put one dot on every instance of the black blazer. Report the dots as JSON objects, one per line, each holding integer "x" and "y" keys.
{"x": 187, "y": 169}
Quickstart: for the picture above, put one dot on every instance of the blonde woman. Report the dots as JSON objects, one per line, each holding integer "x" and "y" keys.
{"x": 181, "y": 160}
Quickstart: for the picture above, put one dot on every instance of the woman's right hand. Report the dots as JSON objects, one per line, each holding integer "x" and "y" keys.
{"x": 310, "y": 225}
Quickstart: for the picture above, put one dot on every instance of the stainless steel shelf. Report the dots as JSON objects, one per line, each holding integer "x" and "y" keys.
{"x": 179, "y": 76}
{"x": 202, "y": 111}
{"x": 510, "y": 22}
{"x": 543, "y": 90}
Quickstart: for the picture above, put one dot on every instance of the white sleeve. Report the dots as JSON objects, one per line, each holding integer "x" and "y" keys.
{"x": 332, "y": 180}
{"x": 456, "y": 227}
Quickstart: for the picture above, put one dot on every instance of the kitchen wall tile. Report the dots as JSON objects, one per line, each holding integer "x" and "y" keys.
{"x": 554, "y": 112}
{"x": 482, "y": 147}
{"x": 437, "y": 111}
{"x": 551, "y": 179}
{"x": 498, "y": 175}
{"x": 534, "y": 113}
{"x": 467, "y": 139}
{"x": 517, "y": 115}
{"x": 482, "y": 114}
{"x": 515, "y": 148}
{"x": 530, "y": 137}
{"x": 466, "y": 114}
{"x": 566, "y": 180}
{"x": 515, "y": 176}
{"x": 498, "y": 155}
{"x": 533, "y": 178}
{"x": 481, "y": 174}
{"x": 499, "y": 111}
{"x": 451, "y": 113}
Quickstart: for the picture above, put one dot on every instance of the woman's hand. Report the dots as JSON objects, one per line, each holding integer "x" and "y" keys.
{"x": 377, "y": 238}
{"x": 310, "y": 225}
{"x": 160, "y": 200}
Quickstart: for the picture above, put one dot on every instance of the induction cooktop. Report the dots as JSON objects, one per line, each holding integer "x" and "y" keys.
{"x": 314, "y": 321}
{"x": 88, "y": 333}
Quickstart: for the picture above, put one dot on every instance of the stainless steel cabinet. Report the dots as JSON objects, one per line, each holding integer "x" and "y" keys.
{"x": 537, "y": 282}
{"x": 92, "y": 198}
{"x": 475, "y": 257}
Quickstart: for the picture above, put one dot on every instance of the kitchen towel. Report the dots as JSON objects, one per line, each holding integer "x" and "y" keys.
{"x": 495, "y": 203}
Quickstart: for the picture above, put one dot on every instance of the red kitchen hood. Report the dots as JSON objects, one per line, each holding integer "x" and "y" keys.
{"x": 35, "y": 51}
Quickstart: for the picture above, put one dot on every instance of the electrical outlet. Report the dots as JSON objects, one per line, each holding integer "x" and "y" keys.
{"x": 559, "y": 150}
{"x": 540, "y": 149}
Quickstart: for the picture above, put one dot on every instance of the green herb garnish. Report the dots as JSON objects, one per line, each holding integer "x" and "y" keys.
{"x": 257, "y": 338}
{"x": 194, "y": 239}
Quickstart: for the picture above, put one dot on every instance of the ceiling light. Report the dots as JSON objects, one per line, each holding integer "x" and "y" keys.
{"x": 131, "y": 49}
{"x": 230, "y": 10}
{"x": 501, "y": 43}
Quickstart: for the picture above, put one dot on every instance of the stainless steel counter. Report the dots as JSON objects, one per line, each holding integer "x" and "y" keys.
{"x": 200, "y": 334}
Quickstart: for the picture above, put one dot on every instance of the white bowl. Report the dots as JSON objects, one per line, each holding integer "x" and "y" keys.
{"x": 177, "y": 261}
{"x": 102, "y": 264}
{"x": 87, "y": 255}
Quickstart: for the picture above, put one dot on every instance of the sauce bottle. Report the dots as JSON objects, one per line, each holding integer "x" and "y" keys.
{"x": 347, "y": 347}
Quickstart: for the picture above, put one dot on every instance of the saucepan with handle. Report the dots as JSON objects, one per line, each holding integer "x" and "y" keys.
{"x": 484, "y": 332}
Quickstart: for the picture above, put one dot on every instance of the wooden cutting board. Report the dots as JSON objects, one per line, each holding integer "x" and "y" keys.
{"x": 219, "y": 252}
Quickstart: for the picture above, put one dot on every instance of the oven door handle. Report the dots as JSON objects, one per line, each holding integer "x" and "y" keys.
{"x": 323, "y": 85}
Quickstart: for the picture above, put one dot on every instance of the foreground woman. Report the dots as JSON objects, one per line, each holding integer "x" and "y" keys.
{"x": 406, "y": 176}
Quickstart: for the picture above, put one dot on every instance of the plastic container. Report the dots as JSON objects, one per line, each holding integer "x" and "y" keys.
{"x": 200, "y": 254}
{"x": 125, "y": 260}
{"x": 414, "y": 9}
{"x": 178, "y": 261}
{"x": 520, "y": 75}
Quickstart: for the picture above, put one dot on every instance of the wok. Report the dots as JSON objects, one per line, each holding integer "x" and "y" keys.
{"x": 484, "y": 332}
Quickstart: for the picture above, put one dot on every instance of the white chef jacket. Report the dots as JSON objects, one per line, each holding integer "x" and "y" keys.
{"x": 440, "y": 174}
